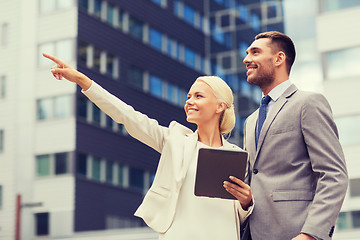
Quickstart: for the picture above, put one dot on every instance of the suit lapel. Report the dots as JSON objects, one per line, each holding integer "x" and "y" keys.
{"x": 272, "y": 115}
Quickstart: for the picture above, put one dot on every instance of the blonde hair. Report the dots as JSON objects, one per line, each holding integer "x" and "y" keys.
{"x": 224, "y": 94}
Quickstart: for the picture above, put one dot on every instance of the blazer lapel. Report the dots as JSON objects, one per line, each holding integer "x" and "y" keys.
{"x": 189, "y": 148}
{"x": 273, "y": 113}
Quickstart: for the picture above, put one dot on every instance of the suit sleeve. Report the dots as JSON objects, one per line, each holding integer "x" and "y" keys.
{"x": 328, "y": 163}
{"x": 137, "y": 124}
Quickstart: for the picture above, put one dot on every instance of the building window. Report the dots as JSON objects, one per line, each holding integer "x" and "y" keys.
{"x": 62, "y": 49}
{"x": 342, "y": 63}
{"x": 109, "y": 174}
{"x": 81, "y": 164}
{"x": 44, "y": 107}
{"x": 120, "y": 175}
{"x": 189, "y": 15}
{"x": 97, "y": 8}
{"x": 110, "y": 14}
{"x": 97, "y": 59}
{"x": 82, "y": 107}
{"x": 255, "y": 22}
{"x": 47, "y": 6}
{"x": 62, "y": 106}
{"x": 61, "y": 163}
{"x": 156, "y": 86}
{"x": 162, "y": 3}
{"x": 243, "y": 12}
{"x": 178, "y": 8}
{"x": 136, "y": 178}
{"x": 84, "y": 4}
{"x": 190, "y": 58}
{"x": 1, "y": 197}
{"x": 111, "y": 65}
{"x": 96, "y": 114}
{"x": 354, "y": 187}
{"x": 52, "y": 164}
{"x": 156, "y": 39}
{"x": 332, "y": 5}
{"x": 2, "y": 87}
{"x": 136, "y": 28}
{"x": 54, "y": 107}
{"x": 2, "y": 140}
{"x": 96, "y": 168}
{"x": 82, "y": 52}
{"x": 136, "y": 77}
{"x": 41, "y": 224}
{"x": 43, "y": 165}
{"x": 4, "y": 34}
{"x": 349, "y": 129}
{"x": 170, "y": 92}
{"x": 62, "y": 4}
{"x": 355, "y": 215}
{"x": 120, "y": 19}
{"x": 342, "y": 221}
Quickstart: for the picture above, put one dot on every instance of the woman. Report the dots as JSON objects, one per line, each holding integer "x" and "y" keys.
{"x": 170, "y": 206}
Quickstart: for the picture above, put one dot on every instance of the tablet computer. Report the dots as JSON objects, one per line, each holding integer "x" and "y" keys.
{"x": 216, "y": 166}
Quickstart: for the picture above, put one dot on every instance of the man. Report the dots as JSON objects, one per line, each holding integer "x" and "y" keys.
{"x": 296, "y": 169}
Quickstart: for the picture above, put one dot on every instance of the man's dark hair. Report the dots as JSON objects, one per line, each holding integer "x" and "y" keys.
{"x": 282, "y": 43}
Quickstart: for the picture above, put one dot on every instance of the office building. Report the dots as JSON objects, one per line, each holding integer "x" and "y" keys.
{"x": 65, "y": 167}
{"x": 338, "y": 25}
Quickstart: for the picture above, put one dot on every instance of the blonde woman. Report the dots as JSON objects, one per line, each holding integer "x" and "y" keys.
{"x": 170, "y": 206}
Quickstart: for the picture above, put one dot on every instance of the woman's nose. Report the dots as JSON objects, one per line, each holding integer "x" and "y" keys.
{"x": 189, "y": 101}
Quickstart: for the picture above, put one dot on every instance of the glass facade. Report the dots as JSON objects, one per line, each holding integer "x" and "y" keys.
{"x": 343, "y": 63}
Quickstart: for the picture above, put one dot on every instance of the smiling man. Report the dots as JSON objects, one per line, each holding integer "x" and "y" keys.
{"x": 296, "y": 167}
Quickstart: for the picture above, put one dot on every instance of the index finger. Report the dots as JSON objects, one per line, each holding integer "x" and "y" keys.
{"x": 54, "y": 59}
{"x": 238, "y": 181}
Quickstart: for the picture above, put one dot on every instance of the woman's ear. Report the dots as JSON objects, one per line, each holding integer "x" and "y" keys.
{"x": 221, "y": 107}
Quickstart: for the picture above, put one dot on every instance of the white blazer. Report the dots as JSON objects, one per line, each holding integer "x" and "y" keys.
{"x": 176, "y": 144}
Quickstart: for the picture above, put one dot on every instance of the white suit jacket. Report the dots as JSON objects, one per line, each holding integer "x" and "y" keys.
{"x": 175, "y": 143}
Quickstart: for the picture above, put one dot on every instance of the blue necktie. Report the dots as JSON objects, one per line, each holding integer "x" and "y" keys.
{"x": 262, "y": 116}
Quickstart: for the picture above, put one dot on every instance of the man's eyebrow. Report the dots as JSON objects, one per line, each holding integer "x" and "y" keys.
{"x": 252, "y": 49}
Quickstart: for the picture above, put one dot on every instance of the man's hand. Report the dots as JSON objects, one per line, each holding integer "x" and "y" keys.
{"x": 303, "y": 236}
{"x": 240, "y": 190}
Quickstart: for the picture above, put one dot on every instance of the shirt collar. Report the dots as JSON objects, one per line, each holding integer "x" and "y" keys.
{"x": 277, "y": 91}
